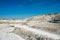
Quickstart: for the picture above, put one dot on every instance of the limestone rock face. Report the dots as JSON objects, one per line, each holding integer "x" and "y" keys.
{"x": 45, "y": 18}
{"x": 50, "y": 22}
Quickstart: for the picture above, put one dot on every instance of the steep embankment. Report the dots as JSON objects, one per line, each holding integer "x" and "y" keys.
{"x": 50, "y": 23}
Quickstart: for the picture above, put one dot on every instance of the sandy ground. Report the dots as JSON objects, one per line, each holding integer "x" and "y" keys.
{"x": 5, "y": 35}
{"x": 6, "y": 29}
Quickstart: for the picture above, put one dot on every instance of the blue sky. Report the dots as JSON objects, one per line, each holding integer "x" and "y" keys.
{"x": 27, "y": 8}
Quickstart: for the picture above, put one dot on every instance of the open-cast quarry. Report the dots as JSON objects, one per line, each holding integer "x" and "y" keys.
{"x": 44, "y": 27}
